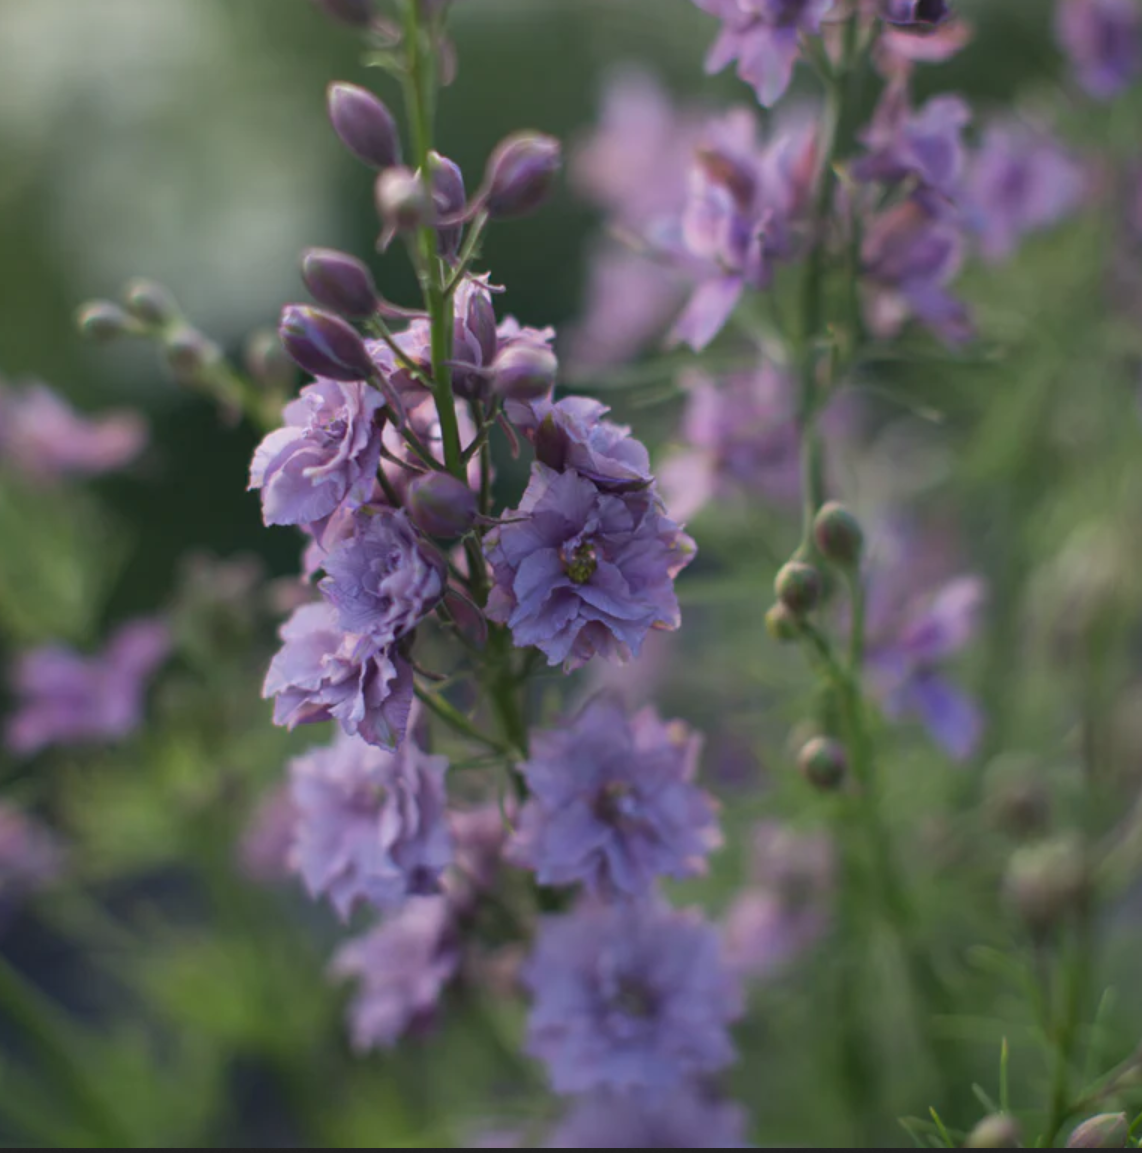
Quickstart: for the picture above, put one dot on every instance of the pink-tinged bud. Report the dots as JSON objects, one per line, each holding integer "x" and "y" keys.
{"x": 103, "y": 321}
{"x": 521, "y": 174}
{"x": 1107, "y": 1131}
{"x": 798, "y": 587}
{"x": 999, "y": 1131}
{"x": 441, "y": 506}
{"x": 340, "y": 282}
{"x": 450, "y": 199}
{"x": 324, "y": 345}
{"x": 190, "y": 355}
{"x": 838, "y": 535}
{"x": 268, "y": 363}
{"x": 150, "y": 303}
{"x": 782, "y": 625}
{"x": 823, "y": 763}
{"x": 364, "y": 125}
{"x": 352, "y": 13}
{"x": 524, "y": 371}
{"x": 402, "y": 202}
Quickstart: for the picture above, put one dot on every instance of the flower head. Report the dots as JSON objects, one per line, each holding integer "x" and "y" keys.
{"x": 685, "y": 1119}
{"x": 1103, "y": 40}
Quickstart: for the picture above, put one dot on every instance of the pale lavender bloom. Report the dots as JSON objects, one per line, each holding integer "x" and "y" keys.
{"x": 44, "y": 437}
{"x": 382, "y": 579}
{"x": 763, "y": 37}
{"x": 1103, "y": 41}
{"x": 31, "y": 856}
{"x": 402, "y": 968}
{"x": 1020, "y": 181}
{"x": 579, "y": 572}
{"x": 264, "y": 849}
{"x": 326, "y": 454}
{"x": 478, "y": 839}
{"x": 372, "y": 826}
{"x": 684, "y": 1119}
{"x": 322, "y": 673}
{"x": 613, "y": 805}
{"x": 629, "y": 997}
{"x": 786, "y": 908}
{"x": 67, "y": 698}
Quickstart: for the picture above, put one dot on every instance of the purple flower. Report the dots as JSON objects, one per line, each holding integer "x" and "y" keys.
{"x": 327, "y": 454}
{"x": 629, "y": 997}
{"x": 382, "y": 579}
{"x": 922, "y": 12}
{"x": 613, "y": 804}
{"x": 1020, "y": 181}
{"x": 402, "y": 968}
{"x": 322, "y": 673}
{"x": 1103, "y": 40}
{"x": 68, "y": 699}
{"x": 264, "y": 850}
{"x": 763, "y": 37}
{"x": 685, "y": 1119}
{"x": 371, "y": 825}
{"x": 31, "y": 856}
{"x": 578, "y": 571}
{"x": 43, "y": 437}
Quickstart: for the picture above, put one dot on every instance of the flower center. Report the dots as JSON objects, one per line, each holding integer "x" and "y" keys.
{"x": 633, "y": 999}
{"x": 580, "y": 564}
{"x": 610, "y": 802}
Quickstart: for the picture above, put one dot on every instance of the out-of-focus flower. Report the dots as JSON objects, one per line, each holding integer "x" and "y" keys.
{"x": 322, "y": 673}
{"x": 580, "y": 572}
{"x": 1103, "y": 41}
{"x": 43, "y": 437}
{"x": 613, "y": 804}
{"x": 264, "y": 850}
{"x": 31, "y": 856}
{"x": 902, "y": 46}
{"x": 67, "y": 698}
{"x": 402, "y": 967}
{"x": 371, "y": 825}
{"x": 684, "y": 1119}
{"x": 922, "y": 12}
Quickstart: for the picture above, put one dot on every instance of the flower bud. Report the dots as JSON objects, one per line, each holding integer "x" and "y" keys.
{"x": 838, "y": 535}
{"x": 999, "y": 1131}
{"x": 323, "y": 344}
{"x": 521, "y": 173}
{"x": 1047, "y": 882}
{"x": 798, "y": 587}
{"x": 150, "y": 303}
{"x": 352, "y": 13}
{"x": 103, "y": 321}
{"x": 1018, "y": 800}
{"x": 190, "y": 354}
{"x": 440, "y": 505}
{"x": 781, "y": 624}
{"x": 923, "y": 12}
{"x": 450, "y": 199}
{"x": 268, "y": 363}
{"x": 402, "y": 202}
{"x": 364, "y": 125}
{"x": 340, "y": 282}
{"x": 823, "y": 763}
{"x": 1107, "y": 1131}
{"x": 524, "y": 371}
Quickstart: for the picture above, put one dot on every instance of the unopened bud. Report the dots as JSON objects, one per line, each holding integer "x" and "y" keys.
{"x": 103, "y": 321}
{"x": 324, "y": 345}
{"x": 340, "y": 282}
{"x": 838, "y": 535}
{"x": 1047, "y": 882}
{"x": 923, "y": 12}
{"x": 798, "y": 587}
{"x": 781, "y": 624}
{"x": 450, "y": 199}
{"x": 1018, "y": 800}
{"x": 353, "y": 13}
{"x": 524, "y": 371}
{"x": 440, "y": 505}
{"x": 364, "y": 125}
{"x": 999, "y": 1131}
{"x": 1107, "y": 1131}
{"x": 402, "y": 201}
{"x": 190, "y": 354}
{"x": 823, "y": 763}
{"x": 521, "y": 174}
{"x": 269, "y": 363}
{"x": 150, "y": 303}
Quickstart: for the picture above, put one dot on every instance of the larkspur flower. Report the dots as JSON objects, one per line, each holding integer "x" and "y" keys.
{"x": 326, "y": 454}
{"x": 579, "y": 572}
{"x": 402, "y": 968}
{"x": 323, "y": 673}
{"x": 685, "y": 1119}
{"x": 1103, "y": 41}
{"x": 628, "y": 998}
{"x": 67, "y": 698}
{"x": 613, "y": 805}
{"x": 371, "y": 825}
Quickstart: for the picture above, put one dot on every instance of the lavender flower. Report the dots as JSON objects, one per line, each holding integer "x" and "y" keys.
{"x": 371, "y": 825}
{"x": 1103, "y": 41}
{"x": 30, "y": 855}
{"x": 685, "y": 1119}
{"x": 763, "y": 37}
{"x": 327, "y": 453}
{"x": 43, "y": 437}
{"x": 1020, "y": 181}
{"x": 613, "y": 804}
{"x": 578, "y": 571}
{"x": 629, "y": 998}
{"x": 68, "y": 699}
{"x": 322, "y": 673}
{"x": 402, "y": 967}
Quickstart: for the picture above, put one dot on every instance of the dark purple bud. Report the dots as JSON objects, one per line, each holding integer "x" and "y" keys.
{"x": 999, "y": 1131}
{"x": 440, "y": 505}
{"x": 524, "y": 371}
{"x": 1107, "y": 1131}
{"x": 340, "y": 282}
{"x": 782, "y": 625}
{"x": 521, "y": 174}
{"x": 823, "y": 763}
{"x": 798, "y": 587}
{"x": 450, "y": 198}
{"x": 190, "y": 354}
{"x": 402, "y": 202}
{"x": 365, "y": 125}
{"x": 838, "y": 535}
{"x": 353, "y": 13}
{"x": 150, "y": 303}
{"x": 324, "y": 345}
{"x": 268, "y": 363}
{"x": 103, "y": 321}
{"x": 922, "y": 12}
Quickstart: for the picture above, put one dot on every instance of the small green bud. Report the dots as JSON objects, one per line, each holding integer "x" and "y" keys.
{"x": 103, "y": 321}
{"x": 1107, "y": 1131}
{"x": 823, "y": 763}
{"x": 838, "y": 535}
{"x": 190, "y": 354}
{"x": 1048, "y": 881}
{"x": 268, "y": 362}
{"x": 150, "y": 303}
{"x": 999, "y": 1131}
{"x": 781, "y": 624}
{"x": 798, "y": 587}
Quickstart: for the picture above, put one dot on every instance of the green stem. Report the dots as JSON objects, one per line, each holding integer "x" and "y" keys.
{"x": 452, "y": 717}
